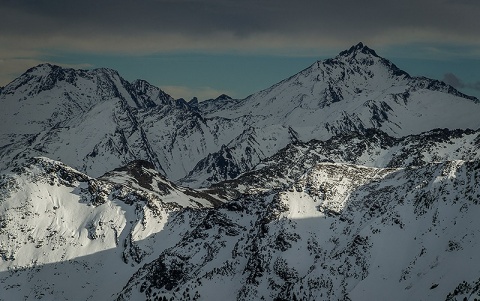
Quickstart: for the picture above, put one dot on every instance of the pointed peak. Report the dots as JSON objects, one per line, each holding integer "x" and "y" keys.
{"x": 44, "y": 65}
{"x": 43, "y": 68}
{"x": 142, "y": 86}
{"x": 359, "y": 48}
{"x": 193, "y": 102}
{"x": 223, "y": 97}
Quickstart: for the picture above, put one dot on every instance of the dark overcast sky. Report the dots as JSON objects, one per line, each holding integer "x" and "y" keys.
{"x": 214, "y": 44}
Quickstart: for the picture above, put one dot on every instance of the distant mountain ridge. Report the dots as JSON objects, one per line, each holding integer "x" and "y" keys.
{"x": 87, "y": 117}
{"x": 355, "y": 91}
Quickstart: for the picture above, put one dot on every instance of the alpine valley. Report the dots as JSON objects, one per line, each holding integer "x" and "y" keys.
{"x": 350, "y": 180}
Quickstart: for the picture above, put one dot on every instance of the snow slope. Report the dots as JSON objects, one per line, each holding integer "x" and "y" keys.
{"x": 373, "y": 148}
{"x": 341, "y": 232}
{"x": 335, "y": 233}
{"x": 71, "y": 237}
{"x": 95, "y": 121}
{"x": 355, "y": 91}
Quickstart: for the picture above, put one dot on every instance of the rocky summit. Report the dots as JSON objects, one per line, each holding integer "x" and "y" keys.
{"x": 350, "y": 180}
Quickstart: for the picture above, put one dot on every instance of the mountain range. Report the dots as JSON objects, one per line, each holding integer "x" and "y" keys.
{"x": 350, "y": 180}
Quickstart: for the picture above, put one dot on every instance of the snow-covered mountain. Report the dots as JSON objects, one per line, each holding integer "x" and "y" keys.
{"x": 350, "y": 180}
{"x": 372, "y": 148}
{"x": 341, "y": 232}
{"x": 95, "y": 120}
{"x": 71, "y": 236}
{"x": 354, "y": 91}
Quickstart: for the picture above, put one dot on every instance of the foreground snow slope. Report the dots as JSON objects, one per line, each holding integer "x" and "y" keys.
{"x": 341, "y": 232}
{"x": 65, "y": 235}
{"x": 336, "y": 232}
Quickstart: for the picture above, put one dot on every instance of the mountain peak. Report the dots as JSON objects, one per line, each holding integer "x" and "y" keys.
{"x": 193, "y": 102}
{"x": 363, "y": 55}
{"x": 359, "y": 48}
{"x": 43, "y": 69}
{"x": 223, "y": 97}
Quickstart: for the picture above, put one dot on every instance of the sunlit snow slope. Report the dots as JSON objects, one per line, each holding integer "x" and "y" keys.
{"x": 65, "y": 235}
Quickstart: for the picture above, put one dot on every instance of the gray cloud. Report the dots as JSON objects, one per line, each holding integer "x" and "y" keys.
{"x": 457, "y": 83}
{"x": 474, "y": 86}
{"x": 350, "y": 20}
{"x": 452, "y": 80}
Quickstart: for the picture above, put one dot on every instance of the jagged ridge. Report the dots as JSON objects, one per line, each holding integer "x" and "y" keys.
{"x": 95, "y": 120}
